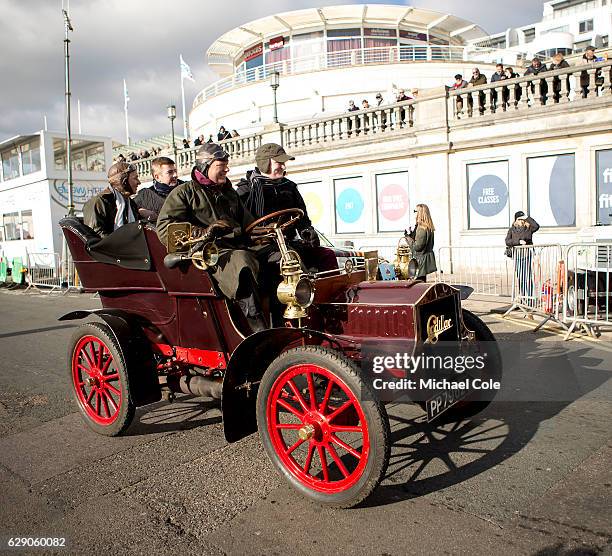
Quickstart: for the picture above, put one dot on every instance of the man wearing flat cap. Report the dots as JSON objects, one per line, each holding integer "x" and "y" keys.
{"x": 113, "y": 207}
{"x": 209, "y": 203}
{"x": 266, "y": 189}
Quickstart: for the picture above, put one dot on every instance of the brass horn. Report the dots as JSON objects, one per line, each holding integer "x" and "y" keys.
{"x": 205, "y": 258}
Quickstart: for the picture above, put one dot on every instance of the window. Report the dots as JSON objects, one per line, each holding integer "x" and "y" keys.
{"x": 585, "y": 26}
{"x": 605, "y": 41}
{"x": 30, "y": 157}
{"x": 552, "y": 189}
{"x": 95, "y": 158}
{"x": 86, "y": 155}
{"x": 27, "y": 225}
{"x": 10, "y": 222}
{"x": 10, "y": 164}
{"x": 529, "y": 34}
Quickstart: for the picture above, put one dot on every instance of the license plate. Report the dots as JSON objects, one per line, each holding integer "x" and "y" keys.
{"x": 443, "y": 401}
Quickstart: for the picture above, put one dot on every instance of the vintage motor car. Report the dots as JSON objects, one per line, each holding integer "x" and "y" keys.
{"x": 164, "y": 328}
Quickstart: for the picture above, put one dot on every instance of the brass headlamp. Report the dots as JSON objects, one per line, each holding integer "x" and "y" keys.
{"x": 406, "y": 266}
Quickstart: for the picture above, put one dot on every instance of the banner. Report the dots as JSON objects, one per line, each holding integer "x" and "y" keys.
{"x": 316, "y": 205}
{"x": 393, "y": 212}
{"x": 488, "y": 205}
{"x": 551, "y": 188}
{"x": 604, "y": 186}
{"x": 349, "y": 196}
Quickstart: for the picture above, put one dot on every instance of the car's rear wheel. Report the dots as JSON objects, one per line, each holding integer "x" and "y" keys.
{"x": 99, "y": 379}
{"x": 322, "y": 427}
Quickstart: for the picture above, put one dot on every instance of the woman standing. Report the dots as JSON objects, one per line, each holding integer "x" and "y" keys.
{"x": 422, "y": 248}
{"x": 521, "y": 233}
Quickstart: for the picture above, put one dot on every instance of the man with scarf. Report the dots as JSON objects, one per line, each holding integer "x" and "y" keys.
{"x": 151, "y": 199}
{"x": 112, "y": 208}
{"x": 211, "y": 205}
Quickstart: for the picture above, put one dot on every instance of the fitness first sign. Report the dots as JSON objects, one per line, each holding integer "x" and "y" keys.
{"x": 604, "y": 186}
{"x": 488, "y": 194}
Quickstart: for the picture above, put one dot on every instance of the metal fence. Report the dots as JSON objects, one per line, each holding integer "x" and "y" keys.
{"x": 48, "y": 273}
{"x": 485, "y": 269}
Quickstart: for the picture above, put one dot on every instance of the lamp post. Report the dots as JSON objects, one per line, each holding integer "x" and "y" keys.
{"x": 171, "y": 117}
{"x": 274, "y": 83}
{"x": 67, "y": 28}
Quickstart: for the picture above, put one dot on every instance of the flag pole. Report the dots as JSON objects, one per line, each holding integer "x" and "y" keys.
{"x": 185, "y": 128}
{"x": 79, "y": 113}
{"x": 125, "y": 108}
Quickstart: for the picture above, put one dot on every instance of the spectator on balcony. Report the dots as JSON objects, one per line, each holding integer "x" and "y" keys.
{"x": 402, "y": 96}
{"x": 150, "y": 200}
{"x": 536, "y": 68}
{"x": 365, "y": 105}
{"x": 414, "y": 93}
{"x": 352, "y": 108}
{"x": 133, "y": 156}
{"x": 120, "y": 158}
{"x": 459, "y": 83}
{"x": 199, "y": 141}
{"x": 559, "y": 62}
{"x": 476, "y": 80}
{"x": 589, "y": 58}
{"x": 498, "y": 75}
{"x": 511, "y": 74}
{"x": 186, "y": 144}
{"x": 383, "y": 117}
{"x": 223, "y": 134}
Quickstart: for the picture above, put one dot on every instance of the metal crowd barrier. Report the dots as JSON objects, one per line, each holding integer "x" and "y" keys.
{"x": 588, "y": 279}
{"x": 485, "y": 269}
{"x": 537, "y": 285}
{"x": 47, "y": 273}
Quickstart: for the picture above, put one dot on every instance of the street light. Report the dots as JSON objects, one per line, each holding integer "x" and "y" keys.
{"x": 171, "y": 117}
{"x": 274, "y": 83}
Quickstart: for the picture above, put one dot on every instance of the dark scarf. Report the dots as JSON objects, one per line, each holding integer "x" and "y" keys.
{"x": 257, "y": 181}
{"x": 162, "y": 189}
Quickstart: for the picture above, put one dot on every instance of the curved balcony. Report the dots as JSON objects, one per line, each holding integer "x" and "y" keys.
{"x": 344, "y": 59}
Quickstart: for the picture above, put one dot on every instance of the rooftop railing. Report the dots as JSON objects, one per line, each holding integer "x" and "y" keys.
{"x": 342, "y": 59}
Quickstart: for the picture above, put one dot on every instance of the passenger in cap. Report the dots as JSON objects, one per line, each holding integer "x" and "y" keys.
{"x": 209, "y": 203}
{"x": 113, "y": 207}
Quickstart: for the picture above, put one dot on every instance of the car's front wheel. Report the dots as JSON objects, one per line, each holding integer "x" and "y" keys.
{"x": 322, "y": 427}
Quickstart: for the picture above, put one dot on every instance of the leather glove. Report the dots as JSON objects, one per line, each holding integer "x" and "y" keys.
{"x": 310, "y": 237}
{"x": 219, "y": 228}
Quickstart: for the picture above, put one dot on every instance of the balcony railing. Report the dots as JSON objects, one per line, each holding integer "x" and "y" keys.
{"x": 583, "y": 81}
{"x": 342, "y": 59}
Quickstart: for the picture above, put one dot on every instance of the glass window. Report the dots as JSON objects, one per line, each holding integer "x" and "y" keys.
{"x": 10, "y": 223}
{"x": 95, "y": 158}
{"x": 10, "y": 164}
{"x": 343, "y": 33}
{"x": 30, "y": 156}
{"x": 27, "y": 224}
{"x": 585, "y": 26}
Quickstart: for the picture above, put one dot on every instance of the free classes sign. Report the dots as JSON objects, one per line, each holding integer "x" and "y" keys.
{"x": 488, "y": 205}
{"x": 392, "y": 201}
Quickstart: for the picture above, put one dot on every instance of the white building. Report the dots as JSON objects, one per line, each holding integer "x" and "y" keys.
{"x": 567, "y": 26}
{"x": 34, "y": 192}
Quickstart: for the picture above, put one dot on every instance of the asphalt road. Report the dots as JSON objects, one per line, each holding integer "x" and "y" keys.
{"x": 523, "y": 477}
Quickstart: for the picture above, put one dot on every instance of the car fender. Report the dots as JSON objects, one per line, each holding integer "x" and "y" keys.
{"x": 142, "y": 376}
{"x": 247, "y": 365}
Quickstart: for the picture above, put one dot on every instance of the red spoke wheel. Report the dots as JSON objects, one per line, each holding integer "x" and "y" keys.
{"x": 322, "y": 426}
{"x": 99, "y": 379}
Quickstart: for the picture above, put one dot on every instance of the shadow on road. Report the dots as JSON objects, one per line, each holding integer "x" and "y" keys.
{"x": 37, "y": 330}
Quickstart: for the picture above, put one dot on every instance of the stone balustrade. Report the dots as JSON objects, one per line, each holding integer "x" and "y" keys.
{"x": 355, "y": 125}
{"x": 573, "y": 84}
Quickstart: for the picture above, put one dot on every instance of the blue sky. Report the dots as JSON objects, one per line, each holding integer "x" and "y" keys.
{"x": 140, "y": 41}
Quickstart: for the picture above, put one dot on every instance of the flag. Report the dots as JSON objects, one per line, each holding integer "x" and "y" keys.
{"x": 126, "y": 97}
{"x": 185, "y": 70}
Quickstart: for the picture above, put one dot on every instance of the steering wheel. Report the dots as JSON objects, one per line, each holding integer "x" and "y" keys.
{"x": 266, "y": 226}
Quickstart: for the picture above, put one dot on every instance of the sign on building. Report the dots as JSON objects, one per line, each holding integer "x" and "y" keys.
{"x": 350, "y": 205}
{"x": 392, "y": 202}
{"x": 488, "y": 205}
{"x": 604, "y": 186}
{"x": 551, "y": 187}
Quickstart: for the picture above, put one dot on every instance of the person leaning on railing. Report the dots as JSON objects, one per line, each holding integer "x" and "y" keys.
{"x": 559, "y": 62}
{"x": 476, "y": 80}
{"x": 536, "y": 68}
{"x": 459, "y": 83}
{"x": 585, "y": 80}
